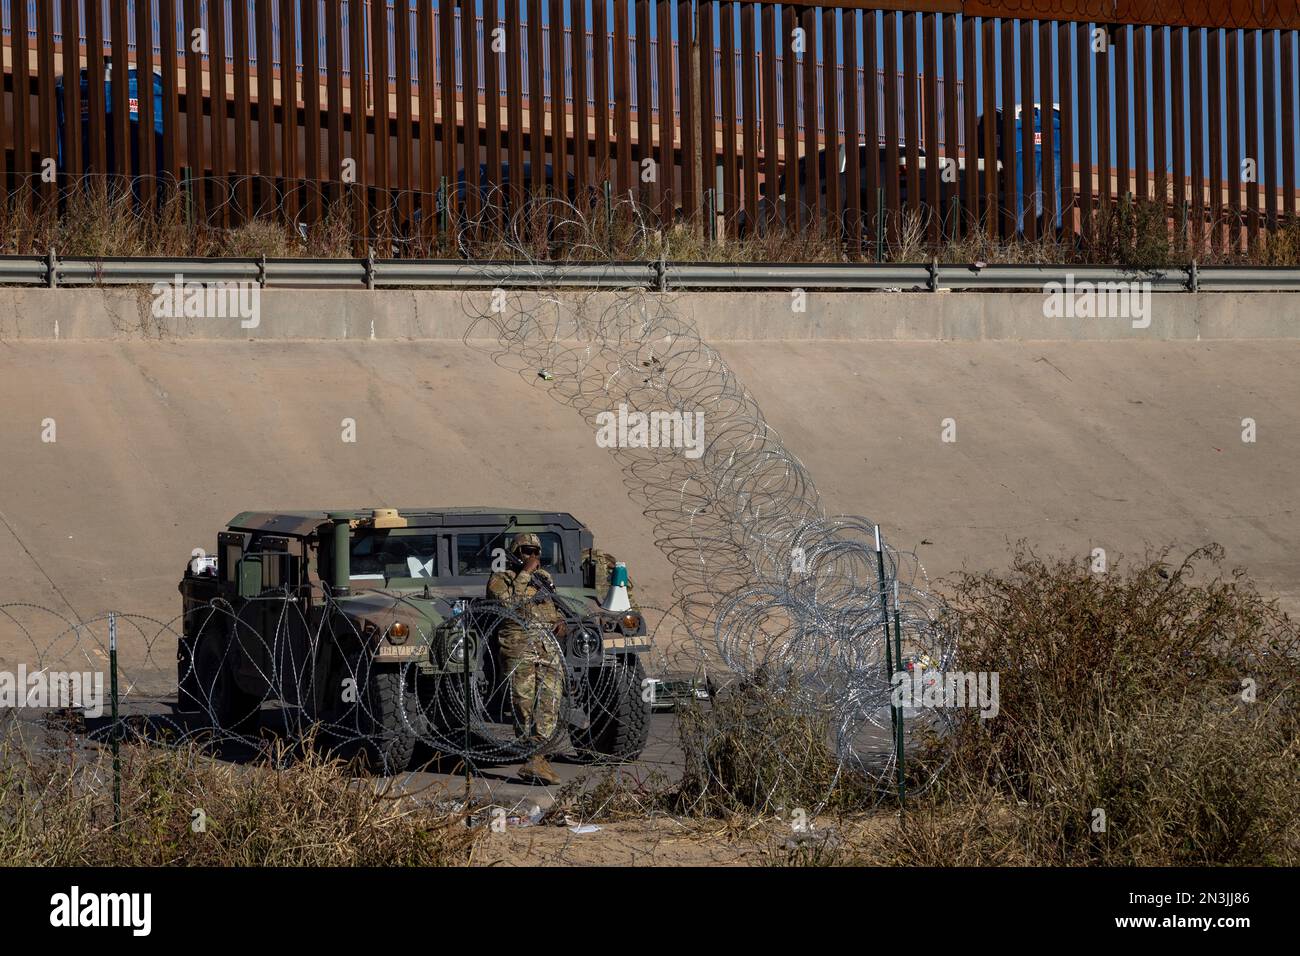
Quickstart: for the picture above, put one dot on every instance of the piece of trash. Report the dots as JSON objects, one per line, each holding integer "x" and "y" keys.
{"x": 545, "y": 376}
{"x": 585, "y": 828}
{"x": 529, "y": 819}
{"x": 497, "y": 817}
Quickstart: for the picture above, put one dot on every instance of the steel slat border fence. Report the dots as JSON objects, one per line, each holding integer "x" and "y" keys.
{"x": 1190, "y": 108}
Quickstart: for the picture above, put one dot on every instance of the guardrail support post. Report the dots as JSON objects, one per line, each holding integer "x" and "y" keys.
{"x": 1193, "y": 279}
{"x": 52, "y": 270}
{"x": 370, "y": 269}
{"x": 934, "y": 274}
{"x": 261, "y": 271}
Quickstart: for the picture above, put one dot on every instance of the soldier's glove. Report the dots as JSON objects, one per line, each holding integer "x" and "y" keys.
{"x": 561, "y": 629}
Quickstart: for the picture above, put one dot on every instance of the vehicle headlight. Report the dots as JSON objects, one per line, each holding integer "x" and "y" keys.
{"x": 630, "y": 621}
{"x": 453, "y": 647}
{"x": 585, "y": 642}
{"x": 399, "y": 633}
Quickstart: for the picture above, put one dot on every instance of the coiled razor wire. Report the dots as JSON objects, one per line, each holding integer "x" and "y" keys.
{"x": 769, "y": 591}
{"x": 176, "y": 688}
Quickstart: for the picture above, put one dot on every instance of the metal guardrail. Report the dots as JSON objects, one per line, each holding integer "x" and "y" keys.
{"x": 53, "y": 271}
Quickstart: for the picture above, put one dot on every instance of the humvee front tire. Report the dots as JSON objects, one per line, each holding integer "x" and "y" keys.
{"x": 220, "y": 697}
{"x": 619, "y": 718}
{"x": 389, "y": 720}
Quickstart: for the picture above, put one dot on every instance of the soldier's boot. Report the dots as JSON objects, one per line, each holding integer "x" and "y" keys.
{"x": 539, "y": 770}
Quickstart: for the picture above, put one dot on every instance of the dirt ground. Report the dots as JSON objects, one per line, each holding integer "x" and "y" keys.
{"x": 665, "y": 841}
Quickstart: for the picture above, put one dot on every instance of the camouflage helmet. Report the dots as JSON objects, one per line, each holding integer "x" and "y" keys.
{"x": 525, "y": 540}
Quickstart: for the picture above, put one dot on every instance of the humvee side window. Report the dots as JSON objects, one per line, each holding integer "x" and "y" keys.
{"x": 474, "y": 551}
{"x": 384, "y": 553}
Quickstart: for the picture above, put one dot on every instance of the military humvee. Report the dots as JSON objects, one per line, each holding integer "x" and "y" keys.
{"x": 295, "y": 604}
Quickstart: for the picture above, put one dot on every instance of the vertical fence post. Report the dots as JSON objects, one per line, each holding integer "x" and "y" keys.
{"x": 442, "y": 205}
{"x": 115, "y": 736}
{"x": 187, "y": 190}
{"x": 893, "y": 660}
{"x": 609, "y": 216}
{"x": 459, "y": 611}
{"x": 1125, "y": 219}
{"x": 880, "y": 223}
{"x": 898, "y": 727}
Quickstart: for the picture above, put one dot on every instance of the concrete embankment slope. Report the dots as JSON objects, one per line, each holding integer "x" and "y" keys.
{"x": 1067, "y": 445}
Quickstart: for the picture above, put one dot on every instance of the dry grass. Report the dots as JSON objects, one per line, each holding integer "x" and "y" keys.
{"x": 59, "y": 812}
{"x": 99, "y": 220}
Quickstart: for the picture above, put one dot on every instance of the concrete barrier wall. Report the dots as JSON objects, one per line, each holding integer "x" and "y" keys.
{"x": 292, "y": 314}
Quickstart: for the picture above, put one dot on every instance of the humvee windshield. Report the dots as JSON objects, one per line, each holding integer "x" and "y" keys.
{"x": 394, "y": 554}
{"x": 474, "y": 552}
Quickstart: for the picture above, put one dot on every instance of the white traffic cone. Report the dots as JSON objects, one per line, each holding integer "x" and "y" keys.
{"x": 616, "y": 598}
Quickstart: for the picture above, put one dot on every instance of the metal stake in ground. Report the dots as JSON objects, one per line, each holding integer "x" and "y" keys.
{"x": 892, "y": 660}
{"x": 898, "y": 725}
{"x": 464, "y": 686}
{"x": 115, "y": 736}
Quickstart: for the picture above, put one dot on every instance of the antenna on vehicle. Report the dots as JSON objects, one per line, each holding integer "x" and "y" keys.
{"x": 514, "y": 520}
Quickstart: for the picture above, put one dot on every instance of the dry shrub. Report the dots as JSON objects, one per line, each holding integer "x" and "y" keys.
{"x": 1282, "y": 246}
{"x": 308, "y": 813}
{"x": 100, "y": 219}
{"x": 1135, "y": 234}
{"x": 331, "y": 236}
{"x": 612, "y": 795}
{"x": 753, "y": 749}
{"x": 1121, "y": 692}
{"x": 257, "y": 238}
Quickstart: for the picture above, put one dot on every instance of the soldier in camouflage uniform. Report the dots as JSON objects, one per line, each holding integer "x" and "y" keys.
{"x": 530, "y": 654}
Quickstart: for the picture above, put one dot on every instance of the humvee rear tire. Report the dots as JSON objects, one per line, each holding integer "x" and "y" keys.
{"x": 390, "y": 720}
{"x": 219, "y": 696}
{"x": 619, "y": 718}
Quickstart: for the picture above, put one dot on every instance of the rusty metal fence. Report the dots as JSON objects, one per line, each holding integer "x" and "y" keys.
{"x": 851, "y": 119}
